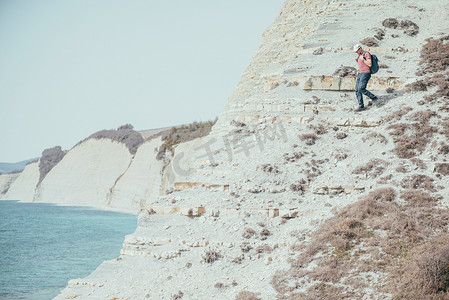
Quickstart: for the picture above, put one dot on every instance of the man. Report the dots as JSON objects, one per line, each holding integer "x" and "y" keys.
{"x": 364, "y": 61}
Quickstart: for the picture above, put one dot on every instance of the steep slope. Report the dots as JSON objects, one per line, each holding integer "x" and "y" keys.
{"x": 6, "y": 180}
{"x": 85, "y": 174}
{"x": 295, "y": 196}
{"x": 142, "y": 181}
{"x": 24, "y": 186}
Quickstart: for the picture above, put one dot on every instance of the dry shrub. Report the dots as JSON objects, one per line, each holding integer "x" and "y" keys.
{"x": 397, "y": 115}
{"x": 125, "y": 134}
{"x": 308, "y": 138}
{"x": 410, "y": 27}
{"x": 268, "y": 168}
{"x": 50, "y": 157}
{"x": 370, "y": 42}
{"x": 434, "y": 63}
{"x": 412, "y": 139}
{"x": 248, "y": 233}
{"x": 443, "y": 149}
{"x": 417, "y": 86}
{"x": 345, "y": 71}
{"x": 427, "y": 271}
{"x": 264, "y": 249}
{"x": 179, "y": 295}
{"x": 418, "y": 181}
{"x": 245, "y": 295}
{"x": 294, "y": 156}
{"x": 185, "y": 133}
{"x": 299, "y": 187}
{"x": 434, "y": 56}
{"x": 416, "y": 198}
{"x": 211, "y": 255}
{"x": 380, "y": 33}
{"x": 318, "y": 129}
{"x": 390, "y": 23}
{"x": 419, "y": 163}
{"x": 442, "y": 168}
{"x": 375, "y": 234}
{"x": 444, "y": 130}
{"x": 375, "y": 137}
{"x": 373, "y": 168}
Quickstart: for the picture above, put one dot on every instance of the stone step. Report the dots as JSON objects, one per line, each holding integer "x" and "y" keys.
{"x": 185, "y": 185}
{"x": 342, "y": 121}
{"x": 173, "y": 248}
{"x": 196, "y": 211}
{"x": 333, "y": 83}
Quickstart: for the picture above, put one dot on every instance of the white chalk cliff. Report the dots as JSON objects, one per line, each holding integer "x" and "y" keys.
{"x": 98, "y": 173}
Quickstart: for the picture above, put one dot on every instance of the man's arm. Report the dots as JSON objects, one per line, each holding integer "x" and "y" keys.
{"x": 368, "y": 62}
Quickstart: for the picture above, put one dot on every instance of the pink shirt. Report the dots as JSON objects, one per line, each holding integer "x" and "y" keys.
{"x": 363, "y": 68}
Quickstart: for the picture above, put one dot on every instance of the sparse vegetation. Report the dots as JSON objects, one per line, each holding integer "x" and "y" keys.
{"x": 345, "y": 71}
{"x": 50, "y": 157}
{"x": 211, "y": 255}
{"x": 380, "y": 235}
{"x": 245, "y": 295}
{"x": 248, "y": 233}
{"x": 185, "y": 133}
{"x": 435, "y": 65}
{"x": 372, "y": 169}
{"x": 308, "y": 138}
{"x": 370, "y": 42}
{"x": 412, "y": 139}
{"x": 125, "y": 134}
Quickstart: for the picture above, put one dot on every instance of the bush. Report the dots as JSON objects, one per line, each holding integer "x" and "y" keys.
{"x": 308, "y": 138}
{"x": 370, "y": 42}
{"x": 375, "y": 235}
{"x": 50, "y": 157}
{"x": 185, "y": 133}
{"x": 245, "y": 295}
{"x": 211, "y": 255}
{"x": 345, "y": 71}
{"x": 373, "y": 168}
{"x": 390, "y": 23}
{"x": 125, "y": 134}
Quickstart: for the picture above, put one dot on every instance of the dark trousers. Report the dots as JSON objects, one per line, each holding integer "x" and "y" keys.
{"x": 360, "y": 87}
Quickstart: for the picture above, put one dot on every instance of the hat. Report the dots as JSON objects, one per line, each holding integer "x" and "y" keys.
{"x": 357, "y": 47}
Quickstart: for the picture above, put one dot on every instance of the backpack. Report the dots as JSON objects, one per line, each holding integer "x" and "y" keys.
{"x": 375, "y": 63}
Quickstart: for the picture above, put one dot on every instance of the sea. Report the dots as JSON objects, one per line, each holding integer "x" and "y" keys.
{"x": 43, "y": 246}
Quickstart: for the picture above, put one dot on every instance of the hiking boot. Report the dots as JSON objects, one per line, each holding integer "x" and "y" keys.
{"x": 375, "y": 99}
{"x": 359, "y": 109}
{"x": 370, "y": 103}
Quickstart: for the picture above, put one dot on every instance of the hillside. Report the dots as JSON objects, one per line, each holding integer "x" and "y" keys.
{"x": 293, "y": 195}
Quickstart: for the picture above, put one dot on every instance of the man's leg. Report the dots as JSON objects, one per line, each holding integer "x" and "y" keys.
{"x": 358, "y": 92}
{"x": 363, "y": 83}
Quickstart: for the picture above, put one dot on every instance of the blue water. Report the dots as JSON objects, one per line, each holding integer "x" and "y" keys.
{"x": 43, "y": 246}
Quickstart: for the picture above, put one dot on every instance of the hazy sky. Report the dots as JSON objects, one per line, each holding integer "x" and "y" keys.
{"x": 70, "y": 68}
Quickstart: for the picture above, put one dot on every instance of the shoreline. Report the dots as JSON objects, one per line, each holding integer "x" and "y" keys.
{"x": 97, "y": 207}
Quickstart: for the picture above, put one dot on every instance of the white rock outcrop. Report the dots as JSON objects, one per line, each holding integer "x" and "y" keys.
{"x": 141, "y": 182}
{"x": 24, "y": 187}
{"x": 6, "y": 180}
{"x": 85, "y": 174}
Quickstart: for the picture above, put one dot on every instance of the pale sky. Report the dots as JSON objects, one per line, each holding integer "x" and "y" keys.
{"x": 71, "y": 68}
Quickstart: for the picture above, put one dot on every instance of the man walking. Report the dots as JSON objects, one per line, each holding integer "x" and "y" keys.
{"x": 364, "y": 61}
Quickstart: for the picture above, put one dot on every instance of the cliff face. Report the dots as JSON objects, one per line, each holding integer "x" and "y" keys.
{"x": 85, "y": 174}
{"x": 293, "y": 195}
{"x": 24, "y": 186}
{"x": 6, "y": 180}
{"x": 98, "y": 172}
{"x": 142, "y": 181}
